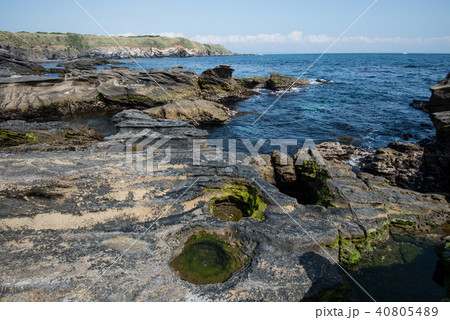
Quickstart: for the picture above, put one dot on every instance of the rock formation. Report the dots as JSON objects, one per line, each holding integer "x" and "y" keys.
{"x": 198, "y": 112}
{"x": 217, "y": 84}
{"x": 424, "y": 167}
{"x": 21, "y": 136}
{"x": 399, "y": 163}
{"x": 68, "y": 216}
{"x": 440, "y": 96}
{"x": 108, "y": 90}
{"x": 10, "y": 65}
{"x": 276, "y": 82}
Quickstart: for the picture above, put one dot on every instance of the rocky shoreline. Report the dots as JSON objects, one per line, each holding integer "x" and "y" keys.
{"x": 275, "y": 229}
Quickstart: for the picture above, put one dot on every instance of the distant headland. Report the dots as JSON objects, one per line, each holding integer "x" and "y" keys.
{"x": 42, "y": 46}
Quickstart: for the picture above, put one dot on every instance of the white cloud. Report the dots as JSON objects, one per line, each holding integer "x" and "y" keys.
{"x": 320, "y": 38}
{"x": 299, "y": 37}
{"x": 126, "y": 34}
{"x": 295, "y": 36}
{"x": 170, "y": 34}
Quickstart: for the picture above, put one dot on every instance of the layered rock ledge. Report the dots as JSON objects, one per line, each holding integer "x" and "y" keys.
{"x": 66, "y": 217}
{"x": 82, "y": 91}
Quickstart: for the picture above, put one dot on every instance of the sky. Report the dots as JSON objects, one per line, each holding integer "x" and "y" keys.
{"x": 283, "y": 26}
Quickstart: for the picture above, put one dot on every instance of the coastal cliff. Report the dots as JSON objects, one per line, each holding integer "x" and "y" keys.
{"x": 42, "y": 46}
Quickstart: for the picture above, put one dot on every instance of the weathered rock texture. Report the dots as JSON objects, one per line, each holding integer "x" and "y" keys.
{"x": 424, "y": 167}
{"x": 440, "y": 96}
{"x": 21, "y": 136}
{"x": 193, "y": 111}
{"x": 109, "y": 90}
{"x": 65, "y": 218}
{"x": 217, "y": 84}
{"x": 399, "y": 163}
{"x": 10, "y": 65}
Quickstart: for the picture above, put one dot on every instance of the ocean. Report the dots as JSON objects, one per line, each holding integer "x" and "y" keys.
{"x": 366, "y": 101}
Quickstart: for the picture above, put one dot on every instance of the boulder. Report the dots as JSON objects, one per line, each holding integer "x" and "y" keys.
{"x": 218, "y": 85}
{"x": 197, "y": 112}
{"x": 420, "y": 105}
{"x": 253, "y": 82}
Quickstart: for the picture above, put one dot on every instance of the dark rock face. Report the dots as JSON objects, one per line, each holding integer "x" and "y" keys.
{"x": 440, "y": 96}
{"x": 419, "y": 105}
{"x": 441, "y": 121}
{"x": 10, "y": 65}
{"x": 436, "y": 167}
{"x": 407, "y": 165}
{"x": 436, "y": 164}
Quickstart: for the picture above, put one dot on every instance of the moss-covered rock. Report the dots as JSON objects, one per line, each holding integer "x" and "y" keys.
{"x": 9, "y": 138}
{"x": 236, "y": 202}
{"x": 207, "y": 258}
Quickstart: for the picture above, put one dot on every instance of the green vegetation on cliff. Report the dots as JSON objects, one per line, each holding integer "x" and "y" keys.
{"x": 85, "y": 42}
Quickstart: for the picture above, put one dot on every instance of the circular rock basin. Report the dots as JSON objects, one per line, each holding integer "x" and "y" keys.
{"x": 206, "y": 258}
{"x": 230, "y": 209}
{"x": 237, "y": 201}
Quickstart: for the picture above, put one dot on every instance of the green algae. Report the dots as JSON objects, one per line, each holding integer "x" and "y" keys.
{"x": 206, "y": 259}
{"x": 9, "y": 138}
{"x": 238, "y": 201}
{"x": 138, "y": 99}
{"x": 350, "y": 250}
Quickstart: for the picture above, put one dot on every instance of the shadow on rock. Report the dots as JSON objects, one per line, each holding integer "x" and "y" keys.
{"x": 324, "y": 275}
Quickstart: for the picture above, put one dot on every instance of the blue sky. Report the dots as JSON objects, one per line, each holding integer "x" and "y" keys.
{"x": 283, "y": 26}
